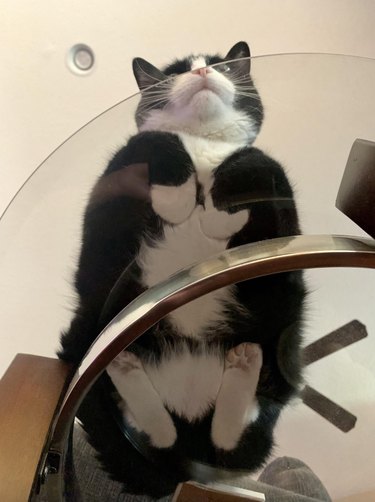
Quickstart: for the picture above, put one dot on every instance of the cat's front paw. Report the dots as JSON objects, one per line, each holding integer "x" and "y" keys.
{"x": 222, "y": 225}
{"x": 174, "y": 204}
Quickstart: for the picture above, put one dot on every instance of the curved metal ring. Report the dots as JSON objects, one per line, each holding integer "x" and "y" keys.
{"x": 234, "y": 265}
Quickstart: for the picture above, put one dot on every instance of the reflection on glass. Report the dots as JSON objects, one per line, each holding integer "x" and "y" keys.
{"x": 200, "y": 172}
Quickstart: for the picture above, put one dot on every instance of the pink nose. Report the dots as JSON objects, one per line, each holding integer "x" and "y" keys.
{"x": 201, "y": 71}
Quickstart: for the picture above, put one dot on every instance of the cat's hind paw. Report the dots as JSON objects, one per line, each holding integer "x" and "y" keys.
{"x": 142, "y": 406}
{"x": 246, "y": 356}
{"x": 236, "y": 405}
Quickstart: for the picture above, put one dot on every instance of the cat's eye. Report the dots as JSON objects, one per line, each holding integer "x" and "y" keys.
{"x": 224, "y": 68}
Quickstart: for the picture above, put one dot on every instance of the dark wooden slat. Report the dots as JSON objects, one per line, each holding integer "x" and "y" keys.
{"x": 336, "y": 340}
{"x": 30, "y": 392}
{"x": 329, "y": 410}
{"x": 356, "y": 196}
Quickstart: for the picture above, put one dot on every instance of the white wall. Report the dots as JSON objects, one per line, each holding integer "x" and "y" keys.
{"x": 41, "y": 102}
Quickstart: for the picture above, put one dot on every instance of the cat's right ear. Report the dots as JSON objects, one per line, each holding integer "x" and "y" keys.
{"x": 240, "y": 51}
{"x": 146, "y": 74}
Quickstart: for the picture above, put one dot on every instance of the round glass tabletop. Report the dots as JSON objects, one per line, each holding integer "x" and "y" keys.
{"x": 315, "y": 107}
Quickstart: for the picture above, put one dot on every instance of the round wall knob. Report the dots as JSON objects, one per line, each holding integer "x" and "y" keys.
{"x": 81, "y": 59}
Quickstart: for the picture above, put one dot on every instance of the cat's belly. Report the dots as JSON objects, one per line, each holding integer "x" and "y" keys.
{"x": 188, "y": 384}
{"x": 182, "y": 246}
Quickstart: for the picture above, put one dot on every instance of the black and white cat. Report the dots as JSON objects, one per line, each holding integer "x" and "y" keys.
{"x": 209, "y": 381}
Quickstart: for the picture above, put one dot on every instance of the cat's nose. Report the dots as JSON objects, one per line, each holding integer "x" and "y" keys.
{"x": 201, "y": 71}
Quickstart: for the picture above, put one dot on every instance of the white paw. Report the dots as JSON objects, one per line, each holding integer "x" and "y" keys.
{"x": 174, "y": 204}
{"x": 220, "y": 224}
{"x": 246, "y": 356}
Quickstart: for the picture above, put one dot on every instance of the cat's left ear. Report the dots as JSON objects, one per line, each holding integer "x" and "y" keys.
{"x": 238, "y": 51}
{"x": 146, "y": 74}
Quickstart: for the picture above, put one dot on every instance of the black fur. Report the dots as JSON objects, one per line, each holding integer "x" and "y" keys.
{"x": 108, "y": 278}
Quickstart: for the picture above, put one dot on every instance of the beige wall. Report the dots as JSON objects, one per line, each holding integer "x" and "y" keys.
{"x": 41, "y": 102}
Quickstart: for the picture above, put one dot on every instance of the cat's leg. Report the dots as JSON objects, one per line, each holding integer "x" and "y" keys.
{"x": 236, "y": 406}
{"x": 147, "y": 411}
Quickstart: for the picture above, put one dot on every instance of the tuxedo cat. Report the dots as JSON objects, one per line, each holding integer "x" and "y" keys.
{"x": 208, "y": 382}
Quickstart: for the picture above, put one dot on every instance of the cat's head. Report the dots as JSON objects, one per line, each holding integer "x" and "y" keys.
{"x": 188, "y": 95}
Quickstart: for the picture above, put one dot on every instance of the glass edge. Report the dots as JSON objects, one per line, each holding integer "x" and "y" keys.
{"x": 260, "y": 56}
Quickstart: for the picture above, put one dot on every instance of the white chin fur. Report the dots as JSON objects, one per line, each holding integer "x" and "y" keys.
{"x": 188, "y": 85}
{"x": 203, "y": 98}
{"x": 203, "y": 108}
{"x": 205, "y": 104}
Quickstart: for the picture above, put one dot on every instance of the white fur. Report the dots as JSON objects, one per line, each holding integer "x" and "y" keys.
{"x": 188, "y": 384}
{"x": 143, "y": 406}
{"x": 220, "y": 224}
{"x": 198, "y": 62}
{"x": 182, "y": 246}
{"x": 174, "y": 204}
{"x": 174, "y": 382}
{"x": 207, "y": 154}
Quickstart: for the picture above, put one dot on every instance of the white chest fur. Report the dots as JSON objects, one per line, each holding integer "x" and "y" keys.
{"x": 205, "y": 233}
{"x": 207, "y": 154}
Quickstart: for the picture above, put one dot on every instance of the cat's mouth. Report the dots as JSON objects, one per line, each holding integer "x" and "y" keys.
{"x": 206, "y": 85}
{"x": 211, "y": 86}
{"x": 204, "y": 98}
{"x": 205, "y": 88}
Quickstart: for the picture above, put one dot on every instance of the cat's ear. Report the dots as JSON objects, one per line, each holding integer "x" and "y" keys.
{"x": 146, "y": 74}
{"x": 238, "y": 51}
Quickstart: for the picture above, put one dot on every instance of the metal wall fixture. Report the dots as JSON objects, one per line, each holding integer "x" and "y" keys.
{"x": 81, "y": 59}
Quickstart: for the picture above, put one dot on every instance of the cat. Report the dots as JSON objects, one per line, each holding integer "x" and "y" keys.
{"x": 208, "y": 382}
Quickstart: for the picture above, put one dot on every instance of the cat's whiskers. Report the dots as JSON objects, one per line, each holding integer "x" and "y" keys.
{"x": 155, "y": 98}
{"x": 248, "y": 94}
{"x": 160, "y": 104}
